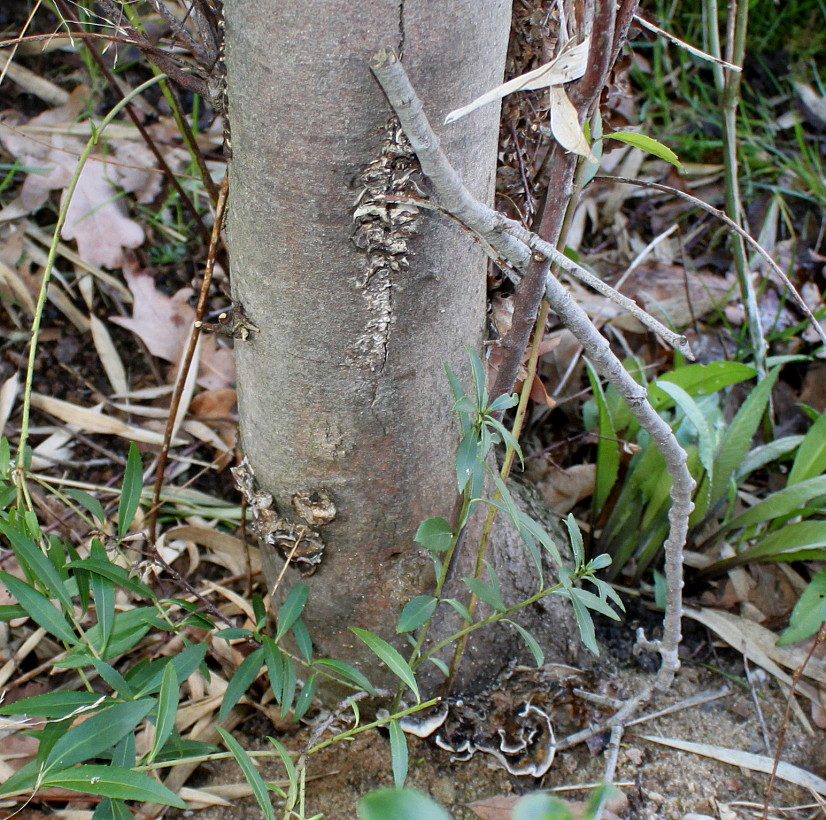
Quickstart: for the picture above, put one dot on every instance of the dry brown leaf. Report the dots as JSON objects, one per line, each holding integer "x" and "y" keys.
{"x": 109, "y": 357}
{"x": 498, "y": 807}
{"x": 96, "y": 217}
{"x": 164, "y": 324}
{"x": 229, "y": 551}
{"x": 565, "y": 124}
{"x": 564, "y": 489}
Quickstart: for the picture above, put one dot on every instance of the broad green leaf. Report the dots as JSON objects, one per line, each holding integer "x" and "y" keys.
{"x": 736, "y": 441}
{"x": 248, "y": 670}
{"x": 350, "y": 673}
{"x": 398, "y": 753}
{"x": 305, "y": 698}
{"x": 130, "y": 494}
{"x": 113, "y": 781}
{"x": 96, "y": 734}
{"x": 303, "y": 640}
{"x": 779, "y": 504}
{"x": 39, "y": 608}
{"x": 701, "y": 380}
{"x": 391, "y": 657}
{"x": 647, "y": 144}
{"x": 88, "y": 502}
{"x": 540, "y": 806}
{"x": 809, "y": 612}
{"x": 167, "y": 710}
{"x": 52, "y": 704}
{"x": 400, "y": 804}
{"x": 810, "y": 460}
{"x": 485, "y": 592}
{"x": 695, "y": 415}
{"x": 434, "y": 534}
{"x": 292, "y": 775}
{"x": 503, "y": 402}
{"x": 40, "y": 568}
{"x": 291, "y": 609}
{"x": 416, "y": 612}
{"x": 536, "y": 649}
{"x": 251, "y": 775}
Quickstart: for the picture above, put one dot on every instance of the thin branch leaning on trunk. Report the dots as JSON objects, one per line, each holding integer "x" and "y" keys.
{"x": 497, "y": 231}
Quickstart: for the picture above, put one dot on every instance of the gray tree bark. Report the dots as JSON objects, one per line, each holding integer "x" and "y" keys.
{"x": 342, "y": 396}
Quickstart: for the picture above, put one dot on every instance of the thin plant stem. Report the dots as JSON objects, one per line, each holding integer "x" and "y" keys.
{"x": 47, "y": 275}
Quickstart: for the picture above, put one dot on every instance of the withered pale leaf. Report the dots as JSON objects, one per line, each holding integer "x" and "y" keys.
{"x": 109, "y": 357}
{"x": 565, "y": 124}
{"x": 569, "y": 65}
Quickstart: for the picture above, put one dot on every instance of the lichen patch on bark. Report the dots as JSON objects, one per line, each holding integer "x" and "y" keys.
{"x": 382, "y": 230}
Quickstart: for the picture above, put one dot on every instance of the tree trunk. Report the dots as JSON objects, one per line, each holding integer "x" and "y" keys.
{"x": 345, "y": 409}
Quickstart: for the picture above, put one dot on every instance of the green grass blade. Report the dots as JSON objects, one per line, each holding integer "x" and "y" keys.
{"x": 810, "y": 460}
{"x": 387, "y": 654}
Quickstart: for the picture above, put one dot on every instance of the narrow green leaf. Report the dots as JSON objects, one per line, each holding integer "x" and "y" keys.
{"x": 767, "y": 453}
{"x": 52, "y": 704}
{"x": 9, "y": 612}
{"x": 109, "y": 809}
{"x": 540, "y": 806}
{"x": 737, "y": 439}
{"x": 781, "y": 503}
{"x": 398, "y": 753}
{"x": 251, "y": 774}
{"x": 485, "y": 592}
{"x": 113, "y": 678}
{"x": 479, "y": 378}
{"x": 303, "y": 640}
{"x": 113, "y": 781}
{"x": 275, "y": 666}
{"x": 434, "y": 534}
{"x": 400, "y": 804}
{"x": 390, "y": 656}
{"x": 103, "y": 567}
{"x": 167, "y": 710}
{"x": 594, "y": 602}
{"x": 695, "y": 415}
{"x": 461, "y": 609}
{"x": 577, "y": 545}
{"x": 305, "y": 698}
{"x": 130, "y": 494}
{"x": 608, "y": 458}
{"x": 804, "y": 535}
{"x": 96, "y": 734}
{"x": 88, "y": 502}
{"x": 288, "y": 685}
{"x": 810, "y": 460}
{"x": 536, "y": 649}
{"x": 466, "y": 458}
{"x": 39, "y": 608}
{"x": 292, "y": 775}
{"x": 247, "y": 671}
{"x": 41, "y": 569}
{"x": 458, "y": 391}
{"x": 585, "y": 623}
{"x": 701, "y": 380}
{"x": 350, "y": 673}
{"x": 416, "y": 612}
{"x": 291, "y": 609}
{"x": 503, "y": 402}
{"x": 103, "y": 594}
{"x": 647, "y": 144}
{"x": 808, "y": 613}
